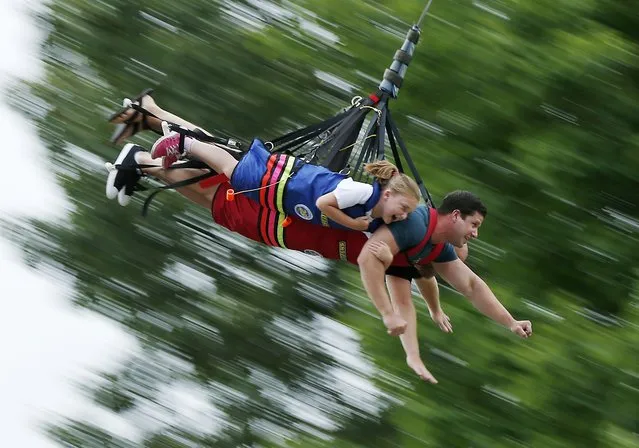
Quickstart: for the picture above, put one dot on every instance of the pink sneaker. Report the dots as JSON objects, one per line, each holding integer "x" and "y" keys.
{"x": 168, "y": 147}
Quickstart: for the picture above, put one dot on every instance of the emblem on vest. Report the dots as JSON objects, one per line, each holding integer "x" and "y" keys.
{"x": 342, "y": 251}
{"x": 303, "y": 212}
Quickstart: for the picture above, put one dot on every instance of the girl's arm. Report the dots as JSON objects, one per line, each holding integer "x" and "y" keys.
{"x": 327, "y": 204}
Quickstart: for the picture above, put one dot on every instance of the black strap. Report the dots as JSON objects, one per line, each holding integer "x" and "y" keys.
{"x": 180, "y": 184}
{"x": 345, "y": 130}
{"x": 288, "y": 142}
{"x": 393, "y": 145}
{"x": 200, "y": 135}
{"x": 409, "y": 160}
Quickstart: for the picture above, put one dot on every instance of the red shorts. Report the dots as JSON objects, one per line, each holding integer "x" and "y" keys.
{"x": 246, "y": 217}
{"x": 239, "y": 215}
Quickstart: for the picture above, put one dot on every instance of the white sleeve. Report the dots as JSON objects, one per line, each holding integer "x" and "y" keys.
{"x": 349, "y": 193}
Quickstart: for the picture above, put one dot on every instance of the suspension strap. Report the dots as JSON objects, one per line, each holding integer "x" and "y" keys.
{"x": 348, "y": 129}
{"x": 180, "y": 184}
{"x": 301, "y": 136}
{"x": 200, "y": 135}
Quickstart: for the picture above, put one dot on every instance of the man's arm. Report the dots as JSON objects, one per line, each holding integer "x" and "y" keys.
{"x": 430, "y": 292}
{"x": 477, "y": 291}
{"x": 427, "y": 285}
{"x": 372, "y": 272}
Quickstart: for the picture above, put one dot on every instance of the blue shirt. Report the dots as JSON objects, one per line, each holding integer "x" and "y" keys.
{"x": 411, "y": 231}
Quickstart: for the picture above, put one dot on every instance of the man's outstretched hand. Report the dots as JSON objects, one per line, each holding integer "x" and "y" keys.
{"x": 522, "y": 328}
{"x": 442, "y": 321}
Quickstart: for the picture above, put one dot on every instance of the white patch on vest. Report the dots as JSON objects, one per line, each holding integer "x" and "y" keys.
{"x": 303, "y": 212}
{"x": 312, "y": 252}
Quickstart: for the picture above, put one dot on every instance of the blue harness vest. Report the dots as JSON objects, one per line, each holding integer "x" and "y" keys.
{"x": 288, "y": 185}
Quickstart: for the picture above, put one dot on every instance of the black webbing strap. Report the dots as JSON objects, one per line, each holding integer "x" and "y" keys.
{"x": 143, "y": 111}
{"x": 365, "y": 150}
{"x": 381, "y": 134}
{"x": 197, "y": 133}
{"x": 393, "y": 145}
{"x": 409, "y": 160}
{"x": 179, "y": 184}
{"x": 200, "y": 135}
{"x": 344, "y": 132}
{"x": 302, "y": 136}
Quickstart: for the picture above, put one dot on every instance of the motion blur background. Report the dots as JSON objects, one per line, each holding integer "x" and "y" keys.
{"x": 123, "y": 331}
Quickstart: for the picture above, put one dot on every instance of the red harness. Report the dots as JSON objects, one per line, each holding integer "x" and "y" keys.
{"x": 437, "y": 248}
{"x": 214, "y": 180}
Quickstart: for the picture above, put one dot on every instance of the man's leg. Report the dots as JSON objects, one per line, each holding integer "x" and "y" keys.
{"x": 401, "y": 297}
{"x": 214, "y": 156}
{"x": 124, "y": 175}
{"x": 194, "y": 192}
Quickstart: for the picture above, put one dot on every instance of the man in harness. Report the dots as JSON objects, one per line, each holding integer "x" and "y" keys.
{"x": 430, "y": 234}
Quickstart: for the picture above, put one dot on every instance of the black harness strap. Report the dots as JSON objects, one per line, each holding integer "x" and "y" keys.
{"x": 303, "y": 135}
{"x": 345, "y": 129}
{"x": 180, "y": 184}
{"x": 200, "y": 135}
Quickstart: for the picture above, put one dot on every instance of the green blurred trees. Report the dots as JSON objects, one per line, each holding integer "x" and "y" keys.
{"x": 533, "y": 105}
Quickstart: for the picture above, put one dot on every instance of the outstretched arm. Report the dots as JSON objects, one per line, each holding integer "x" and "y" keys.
{"x": 477, "y": 291}
{"x": 427, "y": 285}
{"x": 372, "y": 272}
{"x": 430, "y": 293}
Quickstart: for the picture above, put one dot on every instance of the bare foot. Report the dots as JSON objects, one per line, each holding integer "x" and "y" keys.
{"x": 420, "y": 369}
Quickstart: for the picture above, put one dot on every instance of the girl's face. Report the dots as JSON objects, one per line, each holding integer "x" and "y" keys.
{"x": 396, "y": 207}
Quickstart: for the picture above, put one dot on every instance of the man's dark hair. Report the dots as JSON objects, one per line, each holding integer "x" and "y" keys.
{"x": 464, "y": 201}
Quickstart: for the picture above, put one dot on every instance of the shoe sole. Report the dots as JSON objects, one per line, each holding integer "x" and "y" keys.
{"x": 111, "y": 191}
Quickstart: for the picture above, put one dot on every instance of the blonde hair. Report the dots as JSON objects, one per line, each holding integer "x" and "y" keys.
{"x": 390, "y": 178}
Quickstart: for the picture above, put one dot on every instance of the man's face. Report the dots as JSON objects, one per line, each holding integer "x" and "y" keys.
{"x": 464, "y": 229}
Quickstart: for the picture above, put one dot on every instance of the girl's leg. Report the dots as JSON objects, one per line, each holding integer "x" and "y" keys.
{"x": 214, "y": 156}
